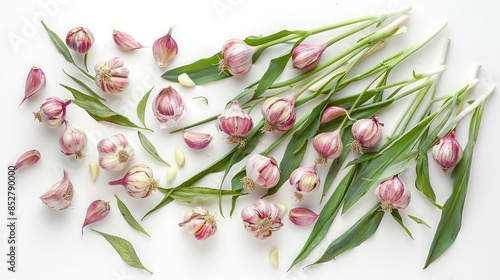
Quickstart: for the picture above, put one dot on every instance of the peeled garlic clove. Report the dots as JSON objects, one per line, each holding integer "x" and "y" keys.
{"x": 196, "y": 140}
{"x": 171, "y": 173}
{"x": 96, "y": 211}
{"x": 180, "y": 159}
{"x": 274, "y": 257}
{"x": 282, "y": 206}
{"x": 94, "y": 170}
{"x": 185, "y": 80}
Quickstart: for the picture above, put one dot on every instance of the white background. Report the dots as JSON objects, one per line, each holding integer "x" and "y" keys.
{"x": 49, "y": 242}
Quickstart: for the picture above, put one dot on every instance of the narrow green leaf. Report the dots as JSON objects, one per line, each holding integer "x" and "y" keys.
{"x": 201, "y": 72}
{"x": 196, "y": 193}
{"x": 141, "y": 107}
{"x": 85, "y": 86}
{"x": 59, "y": 44}
{"x": 150, "y": 148}
{"x": 165, "y": 201}
{"x": 361, "y": 231}
{"x": 451, "y": 216}
{"x": 419, "y": 221}
{"x": 336, "y": 164}
{"x": 326, "y": 217}
{"x": 276, "y": 67}
{"x": 125, "y": 249}
{"x": 128, "y": 216}
{"x": 422, "y": 181}
{"x": 260, "y": 40}
{"x": 395, "y": 214}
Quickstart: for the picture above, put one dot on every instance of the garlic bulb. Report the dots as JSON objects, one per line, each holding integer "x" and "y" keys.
{"x": 168, "y": 107}
{"x": 279, "y": 114}
{"x": 367, "y": 133}
{"x": 261, "y": 218}
{"x": 111, "y": 75}
{"x": 52, "y": 112}
{"x": 114, "y": 152}
{"x": 261, "y": 171}
{"x": 393, "y": 194}
{"x": 236, "y": 123}
{"x": 138, "y": 182}
{"x": 447, "y": 151}
{"x": 237, "y": 57}
{"x": 200, "y": 223}
{"x": 73, "y": 141}
{"x": 328, "y": 145}
{"x": 305, "y": 180}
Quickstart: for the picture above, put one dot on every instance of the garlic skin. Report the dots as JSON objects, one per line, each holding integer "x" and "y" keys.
{"x": 261, "y": 218}
{"x": 111, "y": 76}
{"x": 393, "y": 194}
{"x": 200, "y": 223}
{"x": 52, "y": 112}
{"x": 306, "y": 56}
{"x": 165, "y": 49}
{"x": 59, "y": 196}
{"x": 302, "y": 216}
{"x": 331, "y": 113}
{"x": 262, "y": 171}
{"x": 73, "y": 141}
{"x": 305, "y": 180}
{"x": 96, "y": 211}
{"x": 196, "y": 140}
{"x": 447, "y": 151}
{"x": 125, "y": 41}
{"x": 35, "y": 83}
{"x": 367, "y": 133}
{"x": 27, "y": 159}
{"x": 236, "y": 123}
{"x": 279, "y": 114}
{"x": 236, "y": 57}
{"x": 328, "y": 145}
{"x": 114, "y": 152}
{"x": 138, "y": 182}
{"x": 168, "y": 107}
{"x": 80, "y": 39}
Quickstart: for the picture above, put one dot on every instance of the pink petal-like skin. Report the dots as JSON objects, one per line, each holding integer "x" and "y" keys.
{"x": 368, "y": 132}
{"x": 200, "y": 223}
{"x": 306, "y": 56}
{"x": 52, "y": 112}
{"x": 328, "y": 144}
{"x": 302, "y": 216}
{"x": 125, "y": 41}
{"x": 59, "y": 196}
{"x": 393, "y": 194}
{"x": 263, "y": 170}
{"x": 447, "y": 151}
{"x": 237, "y": 57}
{"x": 234, "y": 121}
{"x": 112, "y": 76}
{"x": 96, "y": 211}
{"x": 27, "y": 159}
{"x": 165, "y": 49}
{"x": 196, "y": 140}
{"x": 279, "y": 112}
{"x": 331, "y": 113}
{"x": 138, "y": 181}
{"x": 35, "y": 83}
{"x": 168, "y": 107}
{"x": 80, "y": 39}
{"x": 305, "y": 179}
{"x": 73, "y": 141}
{"x": 261, "y": 218}
{"x": 114, "y": 152}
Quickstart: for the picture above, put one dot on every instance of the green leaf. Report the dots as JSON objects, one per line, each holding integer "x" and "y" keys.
{"x": 422, "y": 181}
{"x": 276, "y": 67}
{"x": 59, "y": 44}
{"x": 201, "y": 72}
{"x": 326, "y": 217}
{"x": 196, "y": 193}
{"x": 451, "y": 216}
{"x": 361, "y": 231}
{"x": 128, "y": 216}
{"x": 419, "y": 221}
{"x": 336, "y": 164}
{"x": 395, "y": 214}
{"x": 150, "y": 148}
{"x": 97, "y": 110}
{"x": 85, "y": 86}
{"x": 141, "y": 107}
{"x": 260, "y": 40}
{"x": 125, "y": 249}
{"x": 166, "y": 200}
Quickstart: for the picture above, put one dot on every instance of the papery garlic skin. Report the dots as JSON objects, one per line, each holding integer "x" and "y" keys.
{"x": 236, "y": 123}
{"x": 52, "y": 112}
{"x": 80, "y": 39}
{"x": 279, "y": 114}
{"x": 73, "y": 141}
{"x": 236, "y": 57}
{"x": 196, "y": 140}
{"x": 302, "y": 216}
{"x": 447, "y": 151}
{"x": 35, "y": 83}
{"x": 96, "y": 211}
{"x": 331, "y": 113}
{"x": 367, "y": 133}
{"x": 168, "y": 107}
{"x": 261, "y": 218}
{"x": 59, "y": 196}
{"x": 393, "y": 194}
{"x": 165, "y": 49}
{"x": 114, "y": 152}
{"x": 111, "y": 75}
{"x": 27, "y": 159}
{"x": 306, "y": 56}
{"x": 138, "y": 182}
{"x": 200, "y": 223}
{"x": 262, "y": 171}
{"x": 125, "y": 41}
{"x": 305, "y": 180}
{"x": 328, "y": 145}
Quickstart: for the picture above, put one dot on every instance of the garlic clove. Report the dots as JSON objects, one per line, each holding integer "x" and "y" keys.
{"x": 73, "y": 141}
{"x": 96, "y": 211}
{"x": 185, "y": 80}
{"x": 125, "y": 41}
{"x": 59, "y": 196}
{"x": 302, "y": 216}
{"x": 94, "y": 170}
{"x": 27, "y": 159}
{"x": 274, "y": 257}
{"x": 171, "y": 173}
{"x": 165, "y": 49}
{"x": 331, "y": 113}
{"x": 283, "y": 208}
{"x": 35, "y": 83}
{"x": 197, "y": 140}
{"x": 180, "y": 159}
{"x": 168, "y": 107}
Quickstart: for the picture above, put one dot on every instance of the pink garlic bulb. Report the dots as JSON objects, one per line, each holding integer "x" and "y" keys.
{"x": 236, "y": 123}
{"x": 393, "y": 194}
{"x": 200, "y": 223}
{"x": 114, "y": 152}
{"x": 168, "y": 107}
{"x": 138, "y": 182}
{"x": 80, "y": 39}
{"x": 447, "y": 151}
{"x": 73, "y": 141}
{"x": 52, "y": 112}
{"x": 111, "y": 75}
{"x": 305, "y": 180}
{"x": 262, "y": 171}
{"x": 236, "y": 57}
{"x": 328, "y": 145}
{"x": 261, "y": 218}
{"x": 279, "y": 113}
{"x": 306, "y": 56}
{"x": 367, "y": 133}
